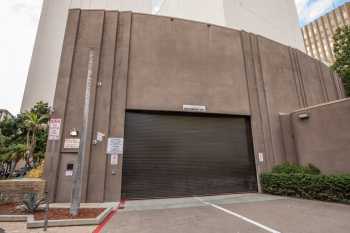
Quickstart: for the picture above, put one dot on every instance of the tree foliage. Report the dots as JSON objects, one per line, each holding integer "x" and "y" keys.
{"x": 342, "y": 55}
{"x": 24, "y": 138}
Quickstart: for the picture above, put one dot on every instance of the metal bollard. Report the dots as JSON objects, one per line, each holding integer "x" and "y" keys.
{"x": 46, "y": 211}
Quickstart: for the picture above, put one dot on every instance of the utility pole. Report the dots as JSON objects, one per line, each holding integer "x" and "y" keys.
{"x": 78, "y": 171}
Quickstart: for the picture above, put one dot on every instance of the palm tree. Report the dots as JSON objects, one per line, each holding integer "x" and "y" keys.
{"x": 33, "y": 122}
{"x": 10, "y": 155}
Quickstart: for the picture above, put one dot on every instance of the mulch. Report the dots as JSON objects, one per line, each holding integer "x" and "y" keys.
{"x": 63, "y": 213}
{"x": 54, "y": 213}
{"x": 10, "y": 209}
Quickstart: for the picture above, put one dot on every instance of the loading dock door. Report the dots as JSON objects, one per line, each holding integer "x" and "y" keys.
{"x": 175, "y": 155}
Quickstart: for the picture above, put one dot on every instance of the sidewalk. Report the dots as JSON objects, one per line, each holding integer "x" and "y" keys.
{"x": 20, "y": 227}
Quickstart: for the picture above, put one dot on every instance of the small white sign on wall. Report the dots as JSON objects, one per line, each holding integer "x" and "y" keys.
{"x": 194, "y": 108}
{"x": 115, "y": 146}
{"x": 69, "y": 173}
{"x": 54, "y": 129}
{"x": 71, "y": 143}
{"x": 114, "y": 159}
{"x": 261, "y": 157}
{"x": 100, "y": 136}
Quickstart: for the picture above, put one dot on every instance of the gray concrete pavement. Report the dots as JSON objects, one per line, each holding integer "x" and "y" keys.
{"x": 20, "y": 227}
{"x": 243, "y": 213}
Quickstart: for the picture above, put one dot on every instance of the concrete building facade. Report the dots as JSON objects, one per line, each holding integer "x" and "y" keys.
{"x": 319, "y": 135}
{"x": 318, "y": 35}
{"x": 161, "y": 83}
{"x": 274, "y": 19}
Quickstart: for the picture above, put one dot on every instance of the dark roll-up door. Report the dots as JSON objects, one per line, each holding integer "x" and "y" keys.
{"x": 175, "y": 155}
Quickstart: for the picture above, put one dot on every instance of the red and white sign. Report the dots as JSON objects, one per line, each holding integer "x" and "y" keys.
{"x": 54, "y": 129}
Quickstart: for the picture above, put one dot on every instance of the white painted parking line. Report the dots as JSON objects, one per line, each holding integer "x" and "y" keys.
{"x": 239, "y": 216}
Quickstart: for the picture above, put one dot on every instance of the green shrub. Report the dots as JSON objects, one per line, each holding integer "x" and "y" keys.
{"x": 335, "y": 188}
{"x": 31, "y": 202}
{"x": 311, "y": 169}
{"x": 287, "y": 168}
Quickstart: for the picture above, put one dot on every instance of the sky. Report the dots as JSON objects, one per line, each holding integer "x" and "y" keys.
{"x": 19, "y": 21}
{"x": 308, "y": 10}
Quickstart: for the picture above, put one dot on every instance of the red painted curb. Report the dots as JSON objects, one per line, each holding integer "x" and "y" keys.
{"x": 99, "y": 228}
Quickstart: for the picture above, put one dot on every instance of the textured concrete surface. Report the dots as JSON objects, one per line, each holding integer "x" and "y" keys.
{"x": 20, "y": 227}
{"x": 297, "y": 216}
{"x": 323, "y": 139}
{"x": 175, "y": 203}
{"x": 246, "y": 213}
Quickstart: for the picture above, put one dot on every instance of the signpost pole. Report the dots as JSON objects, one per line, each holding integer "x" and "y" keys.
{"x": 78, "y": 171}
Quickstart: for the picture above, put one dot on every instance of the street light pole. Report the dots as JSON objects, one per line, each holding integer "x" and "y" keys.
{"x": 78, "y": 171}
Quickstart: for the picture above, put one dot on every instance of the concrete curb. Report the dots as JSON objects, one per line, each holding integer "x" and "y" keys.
{"x": 14, "y": 218}
{"x": 31, "y": 223}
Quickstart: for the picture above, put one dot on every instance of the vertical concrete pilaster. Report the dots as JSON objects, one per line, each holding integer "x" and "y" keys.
{"x": 297, "y": 78}
{"x": 269, "y": 157}
{"x": 256, "y": 119}
{"x": 118, "y": 103}
{"x": 95, "y": 20}
{"x": 53, "y": 149}
{"x": 98, "y": 159}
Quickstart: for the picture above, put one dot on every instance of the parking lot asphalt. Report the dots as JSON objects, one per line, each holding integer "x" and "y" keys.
{"x": 240, "y": 213}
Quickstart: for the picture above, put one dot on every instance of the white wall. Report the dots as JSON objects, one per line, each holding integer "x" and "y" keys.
{"x": 209, "y": 11}
{"x": 274, "y": 19}
{"x": 43, "y": 70}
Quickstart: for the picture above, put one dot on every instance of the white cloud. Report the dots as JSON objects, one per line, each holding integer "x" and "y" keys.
{"x": 308, "y": 10}
{"x": 319, "y": 7}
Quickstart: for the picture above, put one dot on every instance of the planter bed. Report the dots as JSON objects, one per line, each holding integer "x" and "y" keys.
{"x": 54, "y": 213}
{"x": 56, "y": 216}
{"x": 10, "y": 209}
{"x": 63, "y": 213}
{"x": 87, "y": 216}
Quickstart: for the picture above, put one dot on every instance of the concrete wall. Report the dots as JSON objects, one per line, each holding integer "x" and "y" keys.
{"x": 14, "y": 191}
{"x": 150, "y": 62}
{"x": 275, "y": 19}
{"x": 323, "y": 139}
{"x": 181, "y": 62}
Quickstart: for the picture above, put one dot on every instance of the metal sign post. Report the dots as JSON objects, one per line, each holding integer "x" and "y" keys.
{"x": 78, "y": 171}
{"x": 46, "y": 217}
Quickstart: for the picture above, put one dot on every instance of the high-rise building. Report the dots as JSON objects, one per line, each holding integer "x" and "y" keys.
{"x": 318, "y": 35}
{"x": 274, "y": 19}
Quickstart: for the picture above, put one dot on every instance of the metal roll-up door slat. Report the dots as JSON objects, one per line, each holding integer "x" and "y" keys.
{"x": 183, "y": 154}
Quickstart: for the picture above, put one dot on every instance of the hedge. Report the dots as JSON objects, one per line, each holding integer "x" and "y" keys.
{"x": 335, "y": 188}
{"x": 288, "y": 168}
